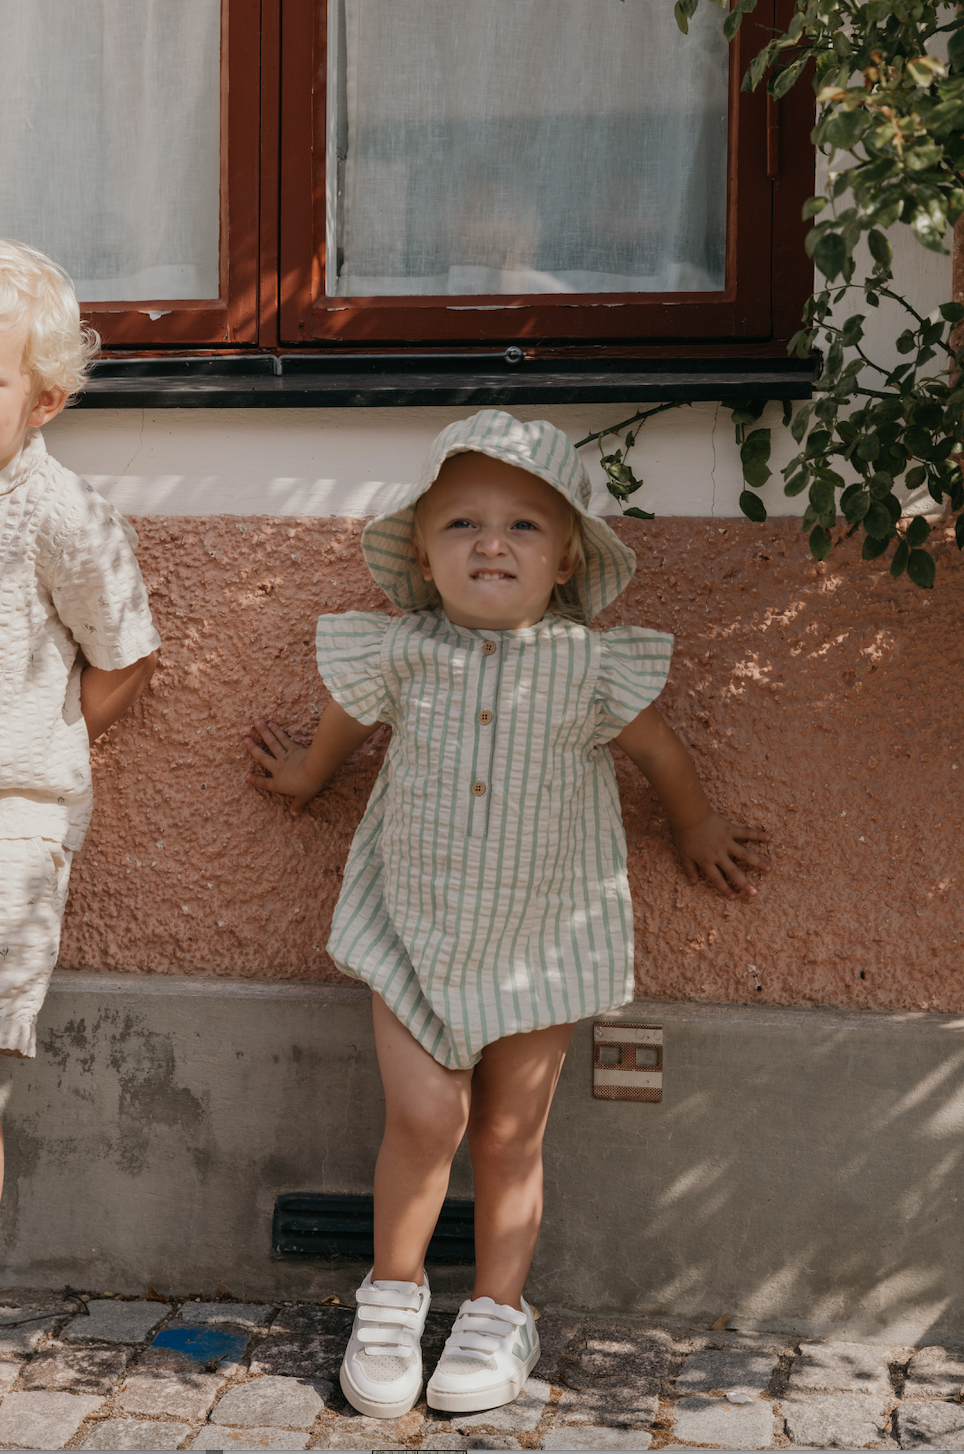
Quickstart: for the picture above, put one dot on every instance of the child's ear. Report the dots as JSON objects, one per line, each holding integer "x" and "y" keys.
{"x": 565, "y": 571}
{"x": 423, "y": 562}
{"x": 47, "y": 407}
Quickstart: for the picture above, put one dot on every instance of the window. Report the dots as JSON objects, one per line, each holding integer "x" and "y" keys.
{"x": 406, "y": 174}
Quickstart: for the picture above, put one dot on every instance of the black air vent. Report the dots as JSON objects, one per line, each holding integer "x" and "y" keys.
{"x": 322, "y": 1224}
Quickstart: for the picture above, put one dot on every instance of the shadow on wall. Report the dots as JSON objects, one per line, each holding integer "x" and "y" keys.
{"x": 803, "y": 1171}
{"x": 819, "y": 700}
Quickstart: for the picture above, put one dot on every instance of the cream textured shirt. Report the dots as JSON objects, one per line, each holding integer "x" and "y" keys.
{"x": 68, "y": 579}
{"x": 486, "y": 893}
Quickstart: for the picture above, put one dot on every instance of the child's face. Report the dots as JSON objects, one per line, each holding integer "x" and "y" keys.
{"x": 496, "y": 540}
{"x": 22, "y": 406}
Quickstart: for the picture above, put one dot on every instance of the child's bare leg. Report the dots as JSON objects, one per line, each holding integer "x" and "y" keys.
{"x": 512, "y": 1091}
{"x": 426, "y": 1111}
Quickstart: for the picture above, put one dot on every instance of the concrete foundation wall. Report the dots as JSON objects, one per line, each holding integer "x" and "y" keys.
{"x": 803, "y": 1170}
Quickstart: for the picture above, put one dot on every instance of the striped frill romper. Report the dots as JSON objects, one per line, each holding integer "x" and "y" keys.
{"x": 486, "y": 893}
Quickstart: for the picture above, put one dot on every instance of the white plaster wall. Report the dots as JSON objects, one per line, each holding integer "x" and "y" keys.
{"x": 363, "y": 461}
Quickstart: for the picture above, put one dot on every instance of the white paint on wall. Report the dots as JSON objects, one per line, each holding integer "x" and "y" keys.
{"x": 362, "y": 462}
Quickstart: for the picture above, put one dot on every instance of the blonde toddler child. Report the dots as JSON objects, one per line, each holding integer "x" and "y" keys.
{"x": 485, "y": 898}
{"x": 76, "y": 638}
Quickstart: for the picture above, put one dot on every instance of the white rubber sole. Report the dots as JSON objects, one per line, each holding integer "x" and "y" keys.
{"x": 476, "y": 1400}
{"x": 370, "y": 1408}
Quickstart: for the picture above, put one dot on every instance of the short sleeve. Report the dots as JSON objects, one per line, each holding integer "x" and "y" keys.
{"x": 350, "y": 662}
{"x": 632, "y": 673}
{"x": 96, "y": 584}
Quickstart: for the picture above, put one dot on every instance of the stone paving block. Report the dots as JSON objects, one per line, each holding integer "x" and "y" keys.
{"x": 841, "y": 1368}
{"x": 108, "y": 1321}
{"x": 273, "y": 1402}
{"x": 519, "y": 1417}
{"x": 9, "y": 1373}
{"x": 23, "y": 1329}
{"x": 935, "y": 1373}
{"x": 43, "y": 1420}
{"x": 226, "y": 1438}
{"x": 728, "y": 1371}
{"x": 555, "y": 1335}
{"x": 76, "y": 1370}
{"x": 835, "y": 1421}
{"x": 200, "y": 1348}
{"x": 616, "y": 1353}
{"x": 242, "y": 1315}
{"x": 930, "y": 1425}
{"x": 174, "y": 1395}
{"x": 308, "y": 1342}
{"x": 467, "y": 1441}
{"x": 136, "y": 1434}
{"x": 357, "y": 1432}
{"x": 596, "y": 1438}
{"x": 612, "y": 1405}
{"x": 728, "y": 1426}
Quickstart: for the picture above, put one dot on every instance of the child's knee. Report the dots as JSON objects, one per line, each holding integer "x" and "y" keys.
{"x": 430, "y": 1128}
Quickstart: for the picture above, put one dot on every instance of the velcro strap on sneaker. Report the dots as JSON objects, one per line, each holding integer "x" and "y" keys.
{"x": 388, "y": 1340}
{"x": 386, "y": 1297}
{"x": 389, "y": 1316}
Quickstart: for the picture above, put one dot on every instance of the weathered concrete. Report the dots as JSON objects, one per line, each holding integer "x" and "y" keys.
{"x": 732, "y": 1426}
{"x": 111, "y": 1321}
{"x": 519, "y": 1417}
{"x": 148, "y": 1141}
{"x": 136, "y": 1434}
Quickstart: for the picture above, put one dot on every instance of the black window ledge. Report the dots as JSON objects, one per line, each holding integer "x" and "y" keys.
{"x": 297, "y": 381}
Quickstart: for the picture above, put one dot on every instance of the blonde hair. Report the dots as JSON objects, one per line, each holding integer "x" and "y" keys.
{"x": 560, "y": 601}
{"x": 37, "y": 292}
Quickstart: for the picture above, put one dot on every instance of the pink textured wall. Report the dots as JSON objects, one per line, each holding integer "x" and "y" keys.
{"x": 822, "y": 701}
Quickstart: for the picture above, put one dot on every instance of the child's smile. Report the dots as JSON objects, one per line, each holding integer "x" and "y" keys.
{"x": 495, "y": 540}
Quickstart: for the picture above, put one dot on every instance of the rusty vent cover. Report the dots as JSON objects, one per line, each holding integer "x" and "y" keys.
{"x": 627, "y": 1061}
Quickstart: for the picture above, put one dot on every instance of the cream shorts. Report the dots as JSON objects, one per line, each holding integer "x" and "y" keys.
{"x": 34, "y": 873}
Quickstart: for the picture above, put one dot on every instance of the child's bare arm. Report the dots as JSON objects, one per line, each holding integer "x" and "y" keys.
{"x": 705, "y": 840}
{"x": 106, "y": 695}
{"x": 301, "y": 772}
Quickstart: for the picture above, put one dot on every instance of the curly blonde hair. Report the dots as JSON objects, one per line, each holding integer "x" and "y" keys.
{"x": 37, "y": 292}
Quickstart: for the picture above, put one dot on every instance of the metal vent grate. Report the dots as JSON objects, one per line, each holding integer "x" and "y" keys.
{"x": 332, "y": 1224}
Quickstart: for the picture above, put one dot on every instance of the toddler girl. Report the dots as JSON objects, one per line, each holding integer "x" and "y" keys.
{"x": 485, "y": 898}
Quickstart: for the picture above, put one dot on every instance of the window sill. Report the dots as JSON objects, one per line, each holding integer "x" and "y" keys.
{"x": 297, "y": 381}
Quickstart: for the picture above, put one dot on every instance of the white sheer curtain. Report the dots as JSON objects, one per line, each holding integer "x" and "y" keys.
{"x": 525, "y": 146}
{"x": 110, "y": 142}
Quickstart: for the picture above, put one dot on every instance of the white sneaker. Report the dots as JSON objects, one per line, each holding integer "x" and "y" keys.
{"x": 488, "y": 1357}
{"x": 381, "y": 1372}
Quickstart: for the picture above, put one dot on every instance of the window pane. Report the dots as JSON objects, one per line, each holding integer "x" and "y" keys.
{"x": 110, "y": 142}
{"x": 525, "y": 146}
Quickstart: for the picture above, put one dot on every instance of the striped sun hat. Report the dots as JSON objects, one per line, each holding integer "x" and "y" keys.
{"x": 543, "y": 450}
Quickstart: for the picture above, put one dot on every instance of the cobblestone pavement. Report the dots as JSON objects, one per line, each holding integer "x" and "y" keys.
{"x": 120, "y": 1373}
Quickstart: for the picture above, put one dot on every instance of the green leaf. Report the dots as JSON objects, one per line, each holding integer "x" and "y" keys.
{"x": 787, "y": 413}
{"x": 788, "y": 76}
{"x": 818, "y": 443}
{"x": 877, "y": 521}
{"x": 955, "y": 48}
{"x": 638, "y": 514}
{"x": 756, "y": 447}
{"x": 869, "y": 446}
{"x": 681, "y": 18}
{"x": 915, "y": 477}
{"x": 747, "y": 411}
{"x": 953, "y": 312}
{"x": 800, "y": 421}
{"x": 899, "y": 563}
{"x": 830, "y": 254}
{"x": 752, "y": 506}
{"x": 880, "y": 248}
{"x": 917, "y": 531}
{"x": 959, "y": 532}
{"x": 905, "y": 342}
{"x": 734, "y": 20}
{"x": 873, "y": 547}
{"x": 922, "y": 569}
{"x": 853, "y": 330}
{"x": 812, "y": 206}
{"x": 845, "y": 128}
{"x": 820, "y": 543}
{"x": 856, "y": 507}
{"x": 822, "y": 497}
{"x": 797, "y": 485}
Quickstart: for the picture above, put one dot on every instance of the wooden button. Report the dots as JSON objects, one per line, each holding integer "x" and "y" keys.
{"x": 488, "y": 648}
{"x": 479, "y": 789}
{"x": 485, "y": 717}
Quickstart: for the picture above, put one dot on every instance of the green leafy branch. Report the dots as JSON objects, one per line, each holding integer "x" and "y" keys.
{"x": 893, "y": 113}
{"x": 620, "y": 480}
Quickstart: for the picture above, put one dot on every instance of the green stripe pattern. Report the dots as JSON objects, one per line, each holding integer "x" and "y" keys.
{"x": 486, "y": 893}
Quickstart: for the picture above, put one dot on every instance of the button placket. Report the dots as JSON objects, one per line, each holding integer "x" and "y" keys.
{"x": 486, "y": 702}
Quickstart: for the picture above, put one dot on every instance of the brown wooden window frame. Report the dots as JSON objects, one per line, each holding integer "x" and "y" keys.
{"x": 272, "y": 210}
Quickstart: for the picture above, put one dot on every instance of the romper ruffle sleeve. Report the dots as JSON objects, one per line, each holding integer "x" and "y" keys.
{"x": 632, "y": 673}
{"x": 350, "y": 654}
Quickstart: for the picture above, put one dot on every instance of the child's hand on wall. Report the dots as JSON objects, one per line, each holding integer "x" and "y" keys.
{"x": 283, "y": 761}
{"x": 716, "y": 848}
